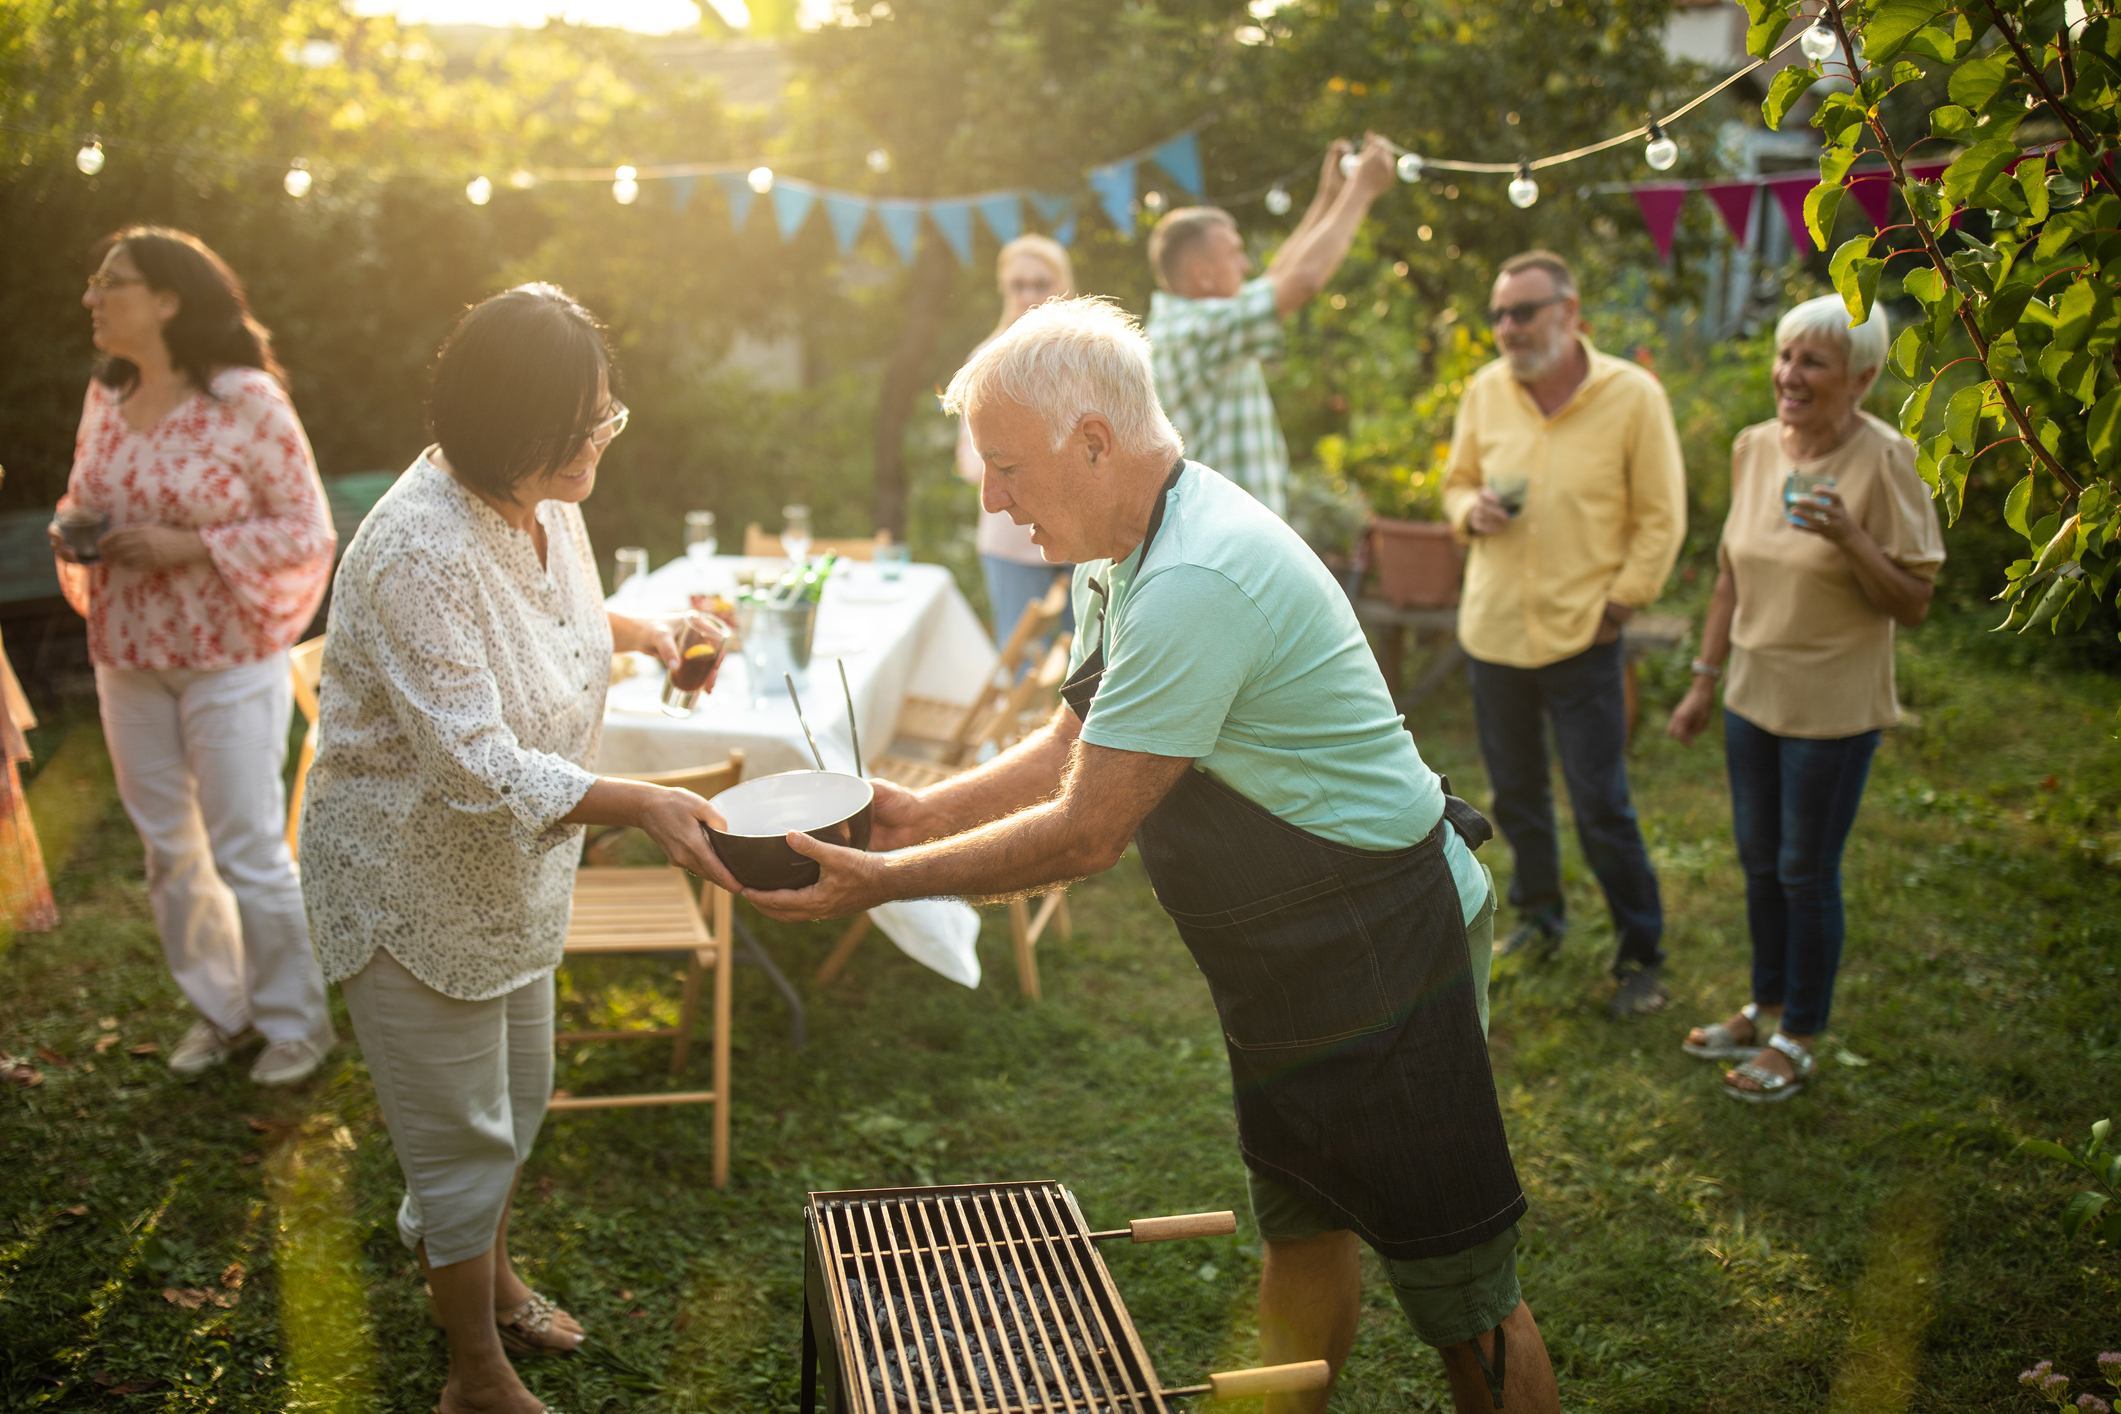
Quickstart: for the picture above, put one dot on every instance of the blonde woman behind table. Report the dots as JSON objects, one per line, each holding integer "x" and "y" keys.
{"x": 1806, "y": 602}
{"x": 1029, "y": 271}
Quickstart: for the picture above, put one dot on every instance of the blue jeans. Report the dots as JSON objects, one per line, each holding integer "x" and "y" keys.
{"x": 1586, "y": 701}
{"x": 1793, "y": 801}
{"x": 1010, "y": 586}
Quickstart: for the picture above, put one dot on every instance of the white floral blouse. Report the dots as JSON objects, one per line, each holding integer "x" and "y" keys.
{"x": 463, "y": 692}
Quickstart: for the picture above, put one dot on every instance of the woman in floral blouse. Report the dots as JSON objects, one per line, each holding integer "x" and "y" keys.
{"x": 463, "y": 696}
{"x": 217, "y": 550}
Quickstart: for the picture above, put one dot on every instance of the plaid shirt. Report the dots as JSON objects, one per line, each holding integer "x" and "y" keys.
{"x": 1206, "y": 354}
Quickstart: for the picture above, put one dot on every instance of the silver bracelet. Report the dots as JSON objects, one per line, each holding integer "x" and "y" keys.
{"x": 1707, "y": 670}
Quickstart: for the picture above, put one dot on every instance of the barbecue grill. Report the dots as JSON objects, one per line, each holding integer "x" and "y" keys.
{"x": 986, "y": 1298}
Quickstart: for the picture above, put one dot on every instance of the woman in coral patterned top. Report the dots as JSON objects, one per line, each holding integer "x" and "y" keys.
{"x": 215, "y": 549}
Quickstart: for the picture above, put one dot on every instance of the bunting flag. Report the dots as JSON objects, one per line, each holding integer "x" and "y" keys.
{"x": 1065, "y": 231}
{"x": 1181, "y": 158}
{"x": 681, "y": 189}
{"x": 1660, "y": 205}
{"x": 1004, "y": 215}
{"x": 1875, "y": 195}
{"x": 792, "y": 201}
{"x": 1735, "y": 202}
{"x": 1058, "y": 212}
{"x": 1114, "y": 185}
{"x": 1792, "y": 194}
{"x": 954, "y": 220}
{"x": 848, "y": 214}
{"x": 902, "y": 222}
{"x": 737, "y": 190}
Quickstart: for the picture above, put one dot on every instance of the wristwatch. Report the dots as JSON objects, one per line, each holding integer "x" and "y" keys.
{"x": 1707, "y": 670}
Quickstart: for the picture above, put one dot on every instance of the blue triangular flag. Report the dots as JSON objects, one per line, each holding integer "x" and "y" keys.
{"x": 1004, "y": 215}
{"x": 791, "y": 205}
{"x": 1050, "y": 206}
{"x": 902, "y": 222}
{"x": 681, "y": 192}
{"x": 848, "y": 214}
{"x": 1065, "y": 231}
{"x": 954, "y": 220}
{"x": 739, "y": 194}
{"x": 1114, "y": 186}
{"x": 1181, "y": 158}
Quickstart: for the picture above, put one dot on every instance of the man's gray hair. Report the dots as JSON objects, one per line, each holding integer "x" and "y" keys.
{"x": 1826, "y": 320}
{"x": 1065, "y": 360}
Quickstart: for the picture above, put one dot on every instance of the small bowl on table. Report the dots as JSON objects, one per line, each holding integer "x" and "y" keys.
{"x": 759, "y": 814}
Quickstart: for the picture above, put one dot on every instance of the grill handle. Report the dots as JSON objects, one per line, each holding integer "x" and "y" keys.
{"x": 1173, "y": 1228}
{"x": 1268, "y": 1379}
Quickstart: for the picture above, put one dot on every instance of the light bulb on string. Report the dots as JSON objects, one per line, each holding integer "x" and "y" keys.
{"x": 522, "y": 179}
{"x": 1523, "y": 190}
{"x": 760, "y": 180}
{"x": 1349, "y": 162}
{"x": 90, "y": 158}
{"x": 624, "y": 189}
{"x": 478, "y": 191}
{"x": 298, "y": 180}
{"x": 879, "y": 160}
{"x": 1153, "y": 200}
{"x": 1819, "y": 41}
{"x": 1278, "y": 199}
{"x": 1409, "y": 166}
{"x": 1661, "y": 152}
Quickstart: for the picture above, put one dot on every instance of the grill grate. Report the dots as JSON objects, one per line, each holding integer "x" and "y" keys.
{"x": 976, "y": 1299}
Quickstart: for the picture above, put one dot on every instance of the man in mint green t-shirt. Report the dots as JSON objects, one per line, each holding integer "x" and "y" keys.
{"x": 1225, "y": 715}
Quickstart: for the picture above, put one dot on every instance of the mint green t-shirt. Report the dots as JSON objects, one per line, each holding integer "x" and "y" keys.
{"x": 1233, "y": 646}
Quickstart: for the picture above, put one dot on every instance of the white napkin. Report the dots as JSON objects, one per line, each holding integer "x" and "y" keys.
{"x": 937, "y": 933}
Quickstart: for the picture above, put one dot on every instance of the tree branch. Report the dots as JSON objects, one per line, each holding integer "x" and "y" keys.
{"x": 2039, "y": 78}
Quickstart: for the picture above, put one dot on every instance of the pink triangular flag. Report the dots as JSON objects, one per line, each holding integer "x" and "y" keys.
{"x": 1734, "y": 200}
{"x": 1792, "y": 194}
{"x": 1660, "y": 212}
{"x": 1874, "y": 193}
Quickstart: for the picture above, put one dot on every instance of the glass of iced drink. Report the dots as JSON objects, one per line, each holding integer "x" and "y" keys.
{"x": 701, "y": 639}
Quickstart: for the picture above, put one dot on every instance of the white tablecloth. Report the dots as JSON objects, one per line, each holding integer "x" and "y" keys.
{"x": 915, "y": 635}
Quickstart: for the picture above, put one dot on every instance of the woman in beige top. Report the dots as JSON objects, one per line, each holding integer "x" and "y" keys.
{"x": 1807, "y": 596}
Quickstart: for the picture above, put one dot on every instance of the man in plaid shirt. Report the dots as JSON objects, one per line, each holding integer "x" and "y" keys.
{"x": 1209, "y": 326}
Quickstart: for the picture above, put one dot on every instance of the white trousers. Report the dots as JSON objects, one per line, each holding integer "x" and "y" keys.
{"x": 197, "y": 755}
{"x": 463, "y": 1087}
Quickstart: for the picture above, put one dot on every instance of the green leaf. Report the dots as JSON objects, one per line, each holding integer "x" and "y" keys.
{"x": 1834, "y": 163}
{"x": 1854, "y": 272}
{"x": 1952, "y": 124}
{"x": 2048, "y": 1149}
{"x": 1946, "y": 41}
{"x": 2032, "y": 180}
{"x": 2014, "y": 505}
{"x": 1841, "y": 117}
{"x": 1951, "y": 485}
{"x": 2102, "y": 430}
{"x": 2101, "y": 36}
{"x": 1924, "y": 282}
{"x": 2073, "y": 161}
{"x": 2061, "y": 232}
{"x": 1943, "y": 312}
{"x": 2052, "y": 603}
{"x": 1893, "y": 23}
{"x": 2100, "y": 1129}
{"x": 2085, "y": 1206}
{"x": 1906, "y": 355}
{"x": 2001, "y": 313}
{"x": 2076, "y": 374}
{"x": 1911, "y": 415}
{"x": 2077, "y": 314}
{"x": 1762, "y": 35}
{"x": 1821, "y": 205}
{"x": 1977, "y": 81}
{"x": 1973, "y": 169}
{"x": 1787, "y": 88}
{"x": 2005, "y": 363}
{"x": 1962, "y": 416}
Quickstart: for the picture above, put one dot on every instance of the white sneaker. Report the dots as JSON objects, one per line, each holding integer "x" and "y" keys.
{"x": 203, "y": 1047}
{"x": 288, "y": 1062}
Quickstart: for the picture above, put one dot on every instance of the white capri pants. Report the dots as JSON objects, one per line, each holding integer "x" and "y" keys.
{"x": 463, "y": 1087}
{"x": 197, "y": 755}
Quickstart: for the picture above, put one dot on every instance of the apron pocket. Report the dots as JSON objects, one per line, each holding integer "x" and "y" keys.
{"x": 1293, "y": 970}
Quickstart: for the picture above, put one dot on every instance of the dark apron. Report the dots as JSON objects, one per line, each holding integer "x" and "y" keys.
{"x": 1346, "y": 994}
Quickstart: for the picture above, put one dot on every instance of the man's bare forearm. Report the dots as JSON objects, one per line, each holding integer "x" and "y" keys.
{"x": 1027, "y": 773}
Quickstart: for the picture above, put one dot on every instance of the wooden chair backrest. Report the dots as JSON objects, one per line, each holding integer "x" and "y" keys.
{"x": 761, "y": 546}
{"x": 307, "y": 660}
{"x": 1032, "y": 693}
{"x": 980, "y": 719}
{"x": 704, "y": 781}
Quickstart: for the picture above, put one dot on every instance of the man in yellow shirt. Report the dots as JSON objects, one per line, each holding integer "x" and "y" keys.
{"x": 1565, "y": 477}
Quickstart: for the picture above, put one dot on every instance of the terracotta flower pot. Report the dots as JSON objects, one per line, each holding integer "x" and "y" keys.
{"x": 1419, "y": 565}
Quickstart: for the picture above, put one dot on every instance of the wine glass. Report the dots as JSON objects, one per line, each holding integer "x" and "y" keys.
{"x": 795, "y": 532}
{"x": 627, "y": 561}
{"x": 1510, "y": 490}
{"x": 699, "y": 538}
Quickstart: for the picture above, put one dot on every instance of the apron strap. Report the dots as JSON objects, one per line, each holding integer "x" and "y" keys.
{"x": 1493, "y": 1375}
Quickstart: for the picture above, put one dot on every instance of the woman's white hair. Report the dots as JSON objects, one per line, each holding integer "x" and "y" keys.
{"x": 1067, "y": 359}
{"x": 1826, "y": 320}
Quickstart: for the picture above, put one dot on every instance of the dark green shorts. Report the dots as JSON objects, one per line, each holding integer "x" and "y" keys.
{"x": 1448, "y": 1300}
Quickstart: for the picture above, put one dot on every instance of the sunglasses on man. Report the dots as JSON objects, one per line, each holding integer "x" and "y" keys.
{"x": 1521, "y": 313}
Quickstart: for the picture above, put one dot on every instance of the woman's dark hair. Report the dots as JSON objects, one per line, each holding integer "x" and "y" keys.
{"x": 212, "y": 329}
{"x": 515, "y": 388}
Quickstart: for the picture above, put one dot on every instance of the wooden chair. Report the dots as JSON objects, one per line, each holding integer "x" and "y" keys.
{"x": 307, "y": 662}
{"x": 761, "y": 546}
{"x": 1025, "y": 702}
{"x": 620, "y": 910}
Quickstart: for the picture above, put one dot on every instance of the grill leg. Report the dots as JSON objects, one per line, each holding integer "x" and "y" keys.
{"x": 806, "y": 1402}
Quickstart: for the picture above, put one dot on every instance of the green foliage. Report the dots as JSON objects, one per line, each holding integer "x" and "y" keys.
{"x": 2097, "y": 1209}
{"x": 2014, "y": 369}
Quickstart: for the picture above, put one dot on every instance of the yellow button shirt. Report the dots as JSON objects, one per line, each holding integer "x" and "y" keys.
{"x": 1604, "y": 508}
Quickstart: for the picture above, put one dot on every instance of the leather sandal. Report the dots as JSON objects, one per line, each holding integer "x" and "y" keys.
{"x": 1719, "y": 1042}
{"x": 1773, "y": 1088}
{"x": 526, "y": 1328}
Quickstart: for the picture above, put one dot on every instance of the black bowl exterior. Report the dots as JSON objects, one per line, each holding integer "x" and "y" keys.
{"x": 766, "y": 863}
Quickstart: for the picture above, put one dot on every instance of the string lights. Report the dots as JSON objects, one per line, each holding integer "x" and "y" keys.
{"x": 1278, "y": 200}
{"x": 1523, "y": 190}
{"x": 1660, "y": 152}
{"x": 625, "y": 190}
{"x": 1818, "y": 42}
{"x": 478, "y": 191}
{"x": 90, "y": 158}
{"x": 298, "y": 180}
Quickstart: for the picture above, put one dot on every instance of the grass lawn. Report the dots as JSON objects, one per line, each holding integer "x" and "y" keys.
{"x": 1874, "y": 1245}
